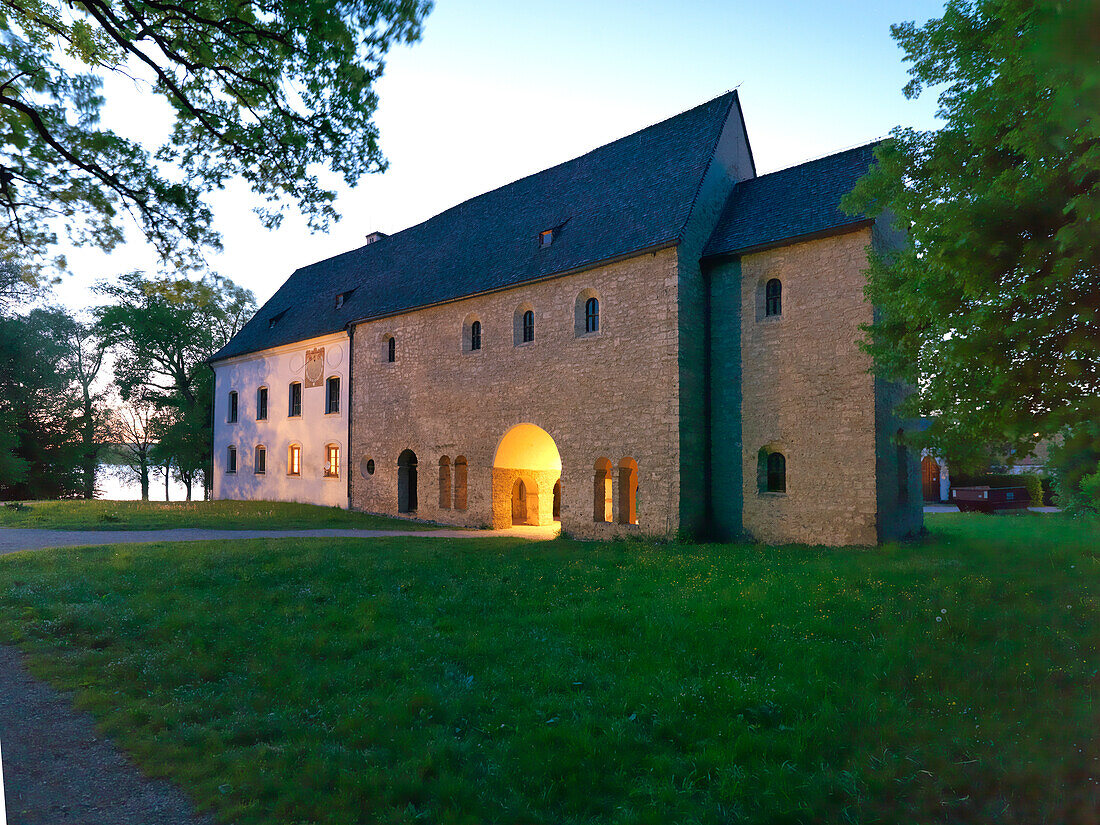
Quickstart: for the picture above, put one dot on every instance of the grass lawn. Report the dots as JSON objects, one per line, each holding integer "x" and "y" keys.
{"x": 218, "y": 515}
{"x": 408, "y": 679}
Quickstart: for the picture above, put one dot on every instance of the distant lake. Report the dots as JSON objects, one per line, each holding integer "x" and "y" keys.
{"x": 116, "y": 487}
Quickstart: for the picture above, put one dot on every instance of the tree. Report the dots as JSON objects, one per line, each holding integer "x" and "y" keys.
{"x": 39, "y": 407}
{"x": 133, "y": 428}
{"x": 162, "y": 331}
{"x": 991, "y": 307}
{"x": 84, "y": 350}
{"x": 268, "y": 91}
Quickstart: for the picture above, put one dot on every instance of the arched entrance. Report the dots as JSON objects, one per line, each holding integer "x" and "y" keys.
{"x": 406, "y": 482}
{"x": 526, "y": 476}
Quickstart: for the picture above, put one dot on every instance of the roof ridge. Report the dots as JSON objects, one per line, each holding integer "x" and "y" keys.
{"x": 817, "y": 158}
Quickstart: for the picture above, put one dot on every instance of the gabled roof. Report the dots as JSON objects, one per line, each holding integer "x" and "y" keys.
{"x": 799, "y": 202}
{"x": 633, "y": 194}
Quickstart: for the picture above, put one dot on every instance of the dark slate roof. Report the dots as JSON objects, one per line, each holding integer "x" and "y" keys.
{"x": 632, "y": 194}
{"x": 803, "y": 200}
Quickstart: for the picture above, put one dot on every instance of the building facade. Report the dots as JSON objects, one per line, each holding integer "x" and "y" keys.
{"x": 647, "y": 339}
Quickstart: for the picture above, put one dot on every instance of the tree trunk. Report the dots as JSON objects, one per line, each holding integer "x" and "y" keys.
{"x": 167, "y": 467}
{"x": 144, "y": 469}
{"x": 187, "y": 485}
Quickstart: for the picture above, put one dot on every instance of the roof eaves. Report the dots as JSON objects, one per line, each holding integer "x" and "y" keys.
{"x": 852, "y": 225}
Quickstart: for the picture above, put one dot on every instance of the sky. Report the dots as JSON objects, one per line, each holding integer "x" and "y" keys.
{"x": 497, "y": 90}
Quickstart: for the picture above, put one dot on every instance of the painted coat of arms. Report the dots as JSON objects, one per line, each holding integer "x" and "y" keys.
{"x": 315, "y": 367}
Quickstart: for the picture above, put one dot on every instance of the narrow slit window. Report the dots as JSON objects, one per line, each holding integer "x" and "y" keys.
{"x": 391, "y": 350}
{"x": 260, "y": 463}
{"x": 475, "y": 335}
{"x": 294, "y": 460}
{"x": 261, "y": 404}
{"x": 592, "y": 315}
{"x": 231, "y": 460}
{"x": 232, "y": 417}
{"x": 528, "y": 326}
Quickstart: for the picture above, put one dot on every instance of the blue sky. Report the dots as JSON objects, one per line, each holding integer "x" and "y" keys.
{"x": 497, "y": 90}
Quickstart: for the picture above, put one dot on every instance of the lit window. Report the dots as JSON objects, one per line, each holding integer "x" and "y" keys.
{"x": 332, "y": 395}
{"x": 260, "y": 466}
{"x": 528, "y": 326}
{"x": 232, "y": 418}
{"x": 261, "y": 404}
{"x": 231, "y": 460}
{"x": 628, "y": 491}
{"x": 295, "y": 408}
{"x": 601, "y": 492}
{"x": 332, "y": 461}
{"x": 773, "y": 297}
{"x": 294, "y": 460}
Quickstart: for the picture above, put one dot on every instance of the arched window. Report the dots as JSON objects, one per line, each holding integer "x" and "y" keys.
{"x": 523, "y": 324}
{"x": 445, "y": 483}
{"x": 592, "y": 315}
{"x": 528, "y": 326}
{"x": 475, "y": 335}
{"x": 628, "y": 491}
{"x": 601, "y": 491}
{"x": 773, "y": 297}
{"x": 391, "y": 349}
{"x": 232, "y": 416}
{"x": 775, "y": 472}
{"x": 294, "y": 460}
{"x": 406, "y": 482}
{"x": 261, "y": 404}
{"x": 231, "y": 459}
{"x": 294, "y": 408}
{"x": 259, "y": 466}
{"x": 332, "y": 395}
{"x": 460, "y": 483}
{"x": 332, "y": 461}
{"x": 903, "y": 468}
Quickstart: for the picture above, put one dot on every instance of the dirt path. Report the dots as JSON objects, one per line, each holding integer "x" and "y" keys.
{"x": 59, "y": 771}
{"x": 17, "y": 538}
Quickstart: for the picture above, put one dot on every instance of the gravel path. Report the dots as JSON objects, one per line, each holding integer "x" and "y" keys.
{"x": 59, "y": 771}
{"x": 17, "y": 538}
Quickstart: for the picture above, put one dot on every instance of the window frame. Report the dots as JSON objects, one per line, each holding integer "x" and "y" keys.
{"x": 291, "y": 393}
{"x": 231, "y": 459}
{"x": 332, "y": 405}
{"x": 259, "y": 460}
{"x": 391, "y": 350}
{"x": 776, "y": 457}
{"x": 475, "y": 336}
{"x": 527, "y": 327}
{"x": 232, "y": 415}
{"x": 591, "y": 315}
{"x": 773, "y": 303}
{"x": 262, "y": 398}
{"x": 332, "y": 460}
{"x": 294, "y": 467}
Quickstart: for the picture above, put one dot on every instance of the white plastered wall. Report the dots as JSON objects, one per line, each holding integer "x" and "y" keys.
{"x": 276, "y": 369}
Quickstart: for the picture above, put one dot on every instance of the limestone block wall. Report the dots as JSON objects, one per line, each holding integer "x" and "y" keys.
{"x": 807, "y": 392}
{"x": 612, "y": 394}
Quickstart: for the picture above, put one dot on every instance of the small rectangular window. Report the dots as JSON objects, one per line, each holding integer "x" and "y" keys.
{"x": 261, "y": 461}
{"x": 332, "y": 461}
{"x": 295, "y": 408}
{"x": 546, "y": 238}
{"x": 232, "y": 418}
{"x": 261, "y": 404}
{"x": 231, "y": 460}
{"x": 332, "y": 395}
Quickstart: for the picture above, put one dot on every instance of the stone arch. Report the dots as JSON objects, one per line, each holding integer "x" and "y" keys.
{"x": 472, "y": 336}
{"x": 628, "y": 491}
{"x": 582, "y": 317}
{"x": 525, "y": 501}
{"x": 529, "y": 453}
{"x": 602, "y": 498}
{"x": 406, "y": 482}
{"x": 517, "y": 323}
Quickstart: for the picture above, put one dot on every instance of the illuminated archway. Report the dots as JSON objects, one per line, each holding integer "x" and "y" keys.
{"x": 527, "y": 465}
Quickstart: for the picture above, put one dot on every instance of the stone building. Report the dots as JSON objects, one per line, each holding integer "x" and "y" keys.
{"x": 648, "y": 338}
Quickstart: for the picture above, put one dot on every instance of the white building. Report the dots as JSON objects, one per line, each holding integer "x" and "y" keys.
{"x": 281, "y": 423}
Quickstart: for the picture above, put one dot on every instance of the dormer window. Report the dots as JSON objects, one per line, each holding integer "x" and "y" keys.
{"x": 546, "y": 237}
{"x": 275, "y": 319}
{"x": 342, "y": 297}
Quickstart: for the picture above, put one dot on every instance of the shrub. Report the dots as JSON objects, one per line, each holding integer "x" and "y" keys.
{"x": 1075, "y": 466}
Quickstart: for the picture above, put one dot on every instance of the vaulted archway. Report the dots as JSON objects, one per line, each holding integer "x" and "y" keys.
{"x": 526, "y": 473}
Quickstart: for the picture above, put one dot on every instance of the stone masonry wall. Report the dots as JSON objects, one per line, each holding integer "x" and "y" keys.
{"x": 807, "y": 393}
{"x": 610, "y": 395}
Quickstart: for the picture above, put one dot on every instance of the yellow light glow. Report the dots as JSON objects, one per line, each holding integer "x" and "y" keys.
{"x": 527, "y": 447}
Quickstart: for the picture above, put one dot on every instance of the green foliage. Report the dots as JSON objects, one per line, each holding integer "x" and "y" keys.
{"x": 40, "y": 407}
{"x": 162, "y": 331}
{"x": 215, "y": 515}
{"x": 496, "y": 680}
{"x": 1075, "y": 464}
{"x": 269, "y": 92}
{"x": 991, "y": 309}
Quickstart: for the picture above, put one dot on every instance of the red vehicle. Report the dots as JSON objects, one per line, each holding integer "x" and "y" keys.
{"x": 988, "y": 499}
